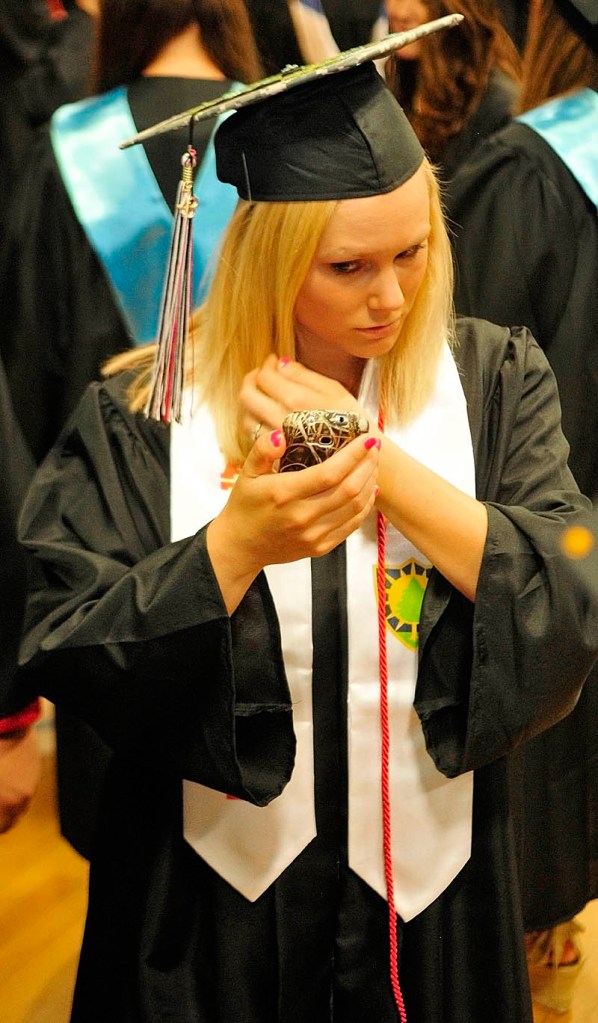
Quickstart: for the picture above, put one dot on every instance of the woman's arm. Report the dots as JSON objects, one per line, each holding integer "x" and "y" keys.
{"x": 129, "y": 631}
{"x": 448, "y": 526}
{"x": 278, "y": 518}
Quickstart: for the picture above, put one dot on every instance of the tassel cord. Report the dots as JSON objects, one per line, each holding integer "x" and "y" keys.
{"x": 385, "y": 760}
{"x": 168, "y": 375}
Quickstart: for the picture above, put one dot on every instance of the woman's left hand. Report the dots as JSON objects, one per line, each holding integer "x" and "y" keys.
{"x": 448, "y": 526}
{"x": 280, "y": 386}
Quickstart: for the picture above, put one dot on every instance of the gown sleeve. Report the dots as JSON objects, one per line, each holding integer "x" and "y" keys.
{"x": 497, "y": 672}
{"x": 129, "y": 631}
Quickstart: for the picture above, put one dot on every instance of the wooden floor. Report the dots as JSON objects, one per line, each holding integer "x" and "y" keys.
{"x": 42, "y": 906}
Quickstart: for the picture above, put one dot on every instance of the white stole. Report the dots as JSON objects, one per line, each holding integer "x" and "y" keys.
{"x": 250, "y": 846}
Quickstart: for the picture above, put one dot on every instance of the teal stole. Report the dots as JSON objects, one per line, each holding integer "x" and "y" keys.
{"x": 569, "y": 125}
{"x": 119, "y": 204}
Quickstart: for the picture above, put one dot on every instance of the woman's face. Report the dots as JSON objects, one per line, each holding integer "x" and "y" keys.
{"x": 406, "y": 14}
{"x": 363, "y": 280}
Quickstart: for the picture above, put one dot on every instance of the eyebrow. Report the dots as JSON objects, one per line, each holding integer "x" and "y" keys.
{"x": 344, "y": 254}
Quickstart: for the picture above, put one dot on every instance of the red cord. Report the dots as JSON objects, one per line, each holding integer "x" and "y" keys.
{"x": 385, "y": 760}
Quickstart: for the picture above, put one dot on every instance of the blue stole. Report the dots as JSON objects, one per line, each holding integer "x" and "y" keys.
{"x": 119, "y": 204}
{"x": 569, "y": 125}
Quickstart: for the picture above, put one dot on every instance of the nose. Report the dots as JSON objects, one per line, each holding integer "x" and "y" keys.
{"x": 400, "y": 9}
{"x": 386, "y": 294}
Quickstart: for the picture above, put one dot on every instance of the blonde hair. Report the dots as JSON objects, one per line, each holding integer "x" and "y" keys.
{"x": 266, "y": 254}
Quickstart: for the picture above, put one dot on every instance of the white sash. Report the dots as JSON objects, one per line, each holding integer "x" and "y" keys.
{"x": 431, "y": 815}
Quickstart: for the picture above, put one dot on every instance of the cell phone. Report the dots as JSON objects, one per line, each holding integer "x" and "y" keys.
{"x": 313, "y": 435}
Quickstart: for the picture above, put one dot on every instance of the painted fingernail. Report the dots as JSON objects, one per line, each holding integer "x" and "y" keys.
{"x": 276, "y": 438}
{"x": 370, "y": 443}
{"x": 282, "y": 362}
{"x": 376, "y": 491}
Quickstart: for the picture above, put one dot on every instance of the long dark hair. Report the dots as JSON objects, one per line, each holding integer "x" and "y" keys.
{"x": 556, "y": 57}
{"x": 131, "y": 33}
{"x": 441, "y": 90}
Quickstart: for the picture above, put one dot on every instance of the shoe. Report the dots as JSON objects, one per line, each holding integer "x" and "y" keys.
{"x": 552, "y": 981}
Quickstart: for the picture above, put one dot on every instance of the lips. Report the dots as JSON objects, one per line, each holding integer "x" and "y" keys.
{"x": 380, "y": 331}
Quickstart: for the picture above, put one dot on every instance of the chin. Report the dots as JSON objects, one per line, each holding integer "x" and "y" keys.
{"x": 410, "y": 53}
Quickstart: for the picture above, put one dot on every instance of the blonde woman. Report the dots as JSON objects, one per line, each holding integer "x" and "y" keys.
{"x": 311, "y": 680}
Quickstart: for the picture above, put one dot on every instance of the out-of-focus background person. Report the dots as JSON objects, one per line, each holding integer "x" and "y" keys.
{"x": 76, "y": 287}
{"x": 19, "y": 749}
{"x": 525, "y": 232}
{"x": 456, "y": 87}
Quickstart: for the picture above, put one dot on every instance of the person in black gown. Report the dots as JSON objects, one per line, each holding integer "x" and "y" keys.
{"x": 19, "y": 751}
{"x": 61, "y": 318}
{"x": 312, "y": 681}
{"x": 59, "y": 312}
{"x": 530, "y": 194}
{"x": 458, "y": 87}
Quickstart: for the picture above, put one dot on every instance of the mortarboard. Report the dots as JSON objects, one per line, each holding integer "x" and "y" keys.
{"x": 338, "y": 137}
{"x": 292, "y": 77}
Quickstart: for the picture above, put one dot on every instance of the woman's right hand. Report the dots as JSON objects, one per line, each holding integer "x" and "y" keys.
{"x": 271, "y": 518}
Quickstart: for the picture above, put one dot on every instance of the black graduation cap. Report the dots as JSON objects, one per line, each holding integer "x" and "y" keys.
{"x": 293, "y": 77}
{"x": 339, "y": 137}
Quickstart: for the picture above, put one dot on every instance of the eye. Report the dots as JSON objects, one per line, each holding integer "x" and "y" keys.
{"x": 351, "y": 266}
{"x": 412, "y": 251}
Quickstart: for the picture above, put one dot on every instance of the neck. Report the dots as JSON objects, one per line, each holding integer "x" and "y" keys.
{"x": 184, "y": 57}
{"x": 349, "y": 375}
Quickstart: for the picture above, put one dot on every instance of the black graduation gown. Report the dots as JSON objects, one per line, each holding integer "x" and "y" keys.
{"x": 59, "y": 324}
{"x": 16, "y": 471}
{"x": 24, "y": 35}
{"x": 493, "y": 112}
{"x": 526, "y": 245}
{"x": 129, "y": 631}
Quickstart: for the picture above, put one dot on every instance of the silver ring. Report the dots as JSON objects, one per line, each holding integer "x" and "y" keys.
{"x": 256, "y": 432}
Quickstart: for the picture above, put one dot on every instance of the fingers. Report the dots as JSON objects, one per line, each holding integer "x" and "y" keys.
{"x": 266, "y": 451}
{"x": 280, "y": 386}
{"x": 350, "y": 463}
{"x": 302, "y": 384}
{"x": 311, "y": 511}
{"x": 341, "y": 499}
{"x": 261, "y": 399}
{"x": 273, "y": 518}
